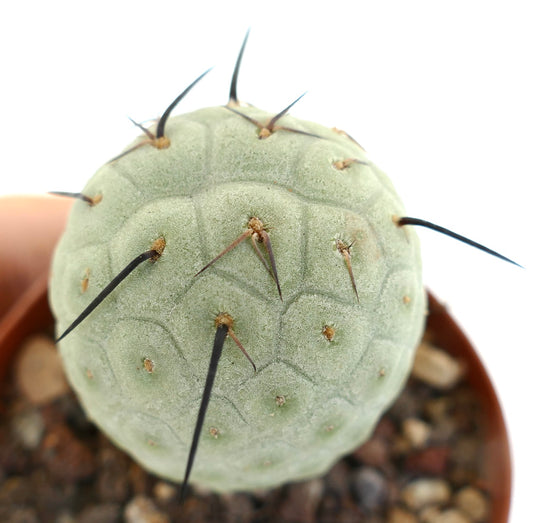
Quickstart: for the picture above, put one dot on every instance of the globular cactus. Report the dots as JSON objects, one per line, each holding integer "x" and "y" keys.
{"x": 278, "y": 233}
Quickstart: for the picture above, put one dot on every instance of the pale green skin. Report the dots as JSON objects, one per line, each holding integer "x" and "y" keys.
{"x": 199, "y": 195}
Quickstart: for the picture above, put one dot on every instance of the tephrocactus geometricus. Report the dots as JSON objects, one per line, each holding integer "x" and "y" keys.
{"x": 277, "y": 233}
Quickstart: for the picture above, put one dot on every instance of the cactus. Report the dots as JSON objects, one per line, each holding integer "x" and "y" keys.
{"x": 277, "y": 233}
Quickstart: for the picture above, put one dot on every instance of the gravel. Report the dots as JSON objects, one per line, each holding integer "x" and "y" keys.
{"x": 422, "y": 464}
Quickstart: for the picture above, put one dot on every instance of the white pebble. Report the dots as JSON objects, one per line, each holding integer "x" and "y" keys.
{"x": 436, "y": 367}
{"x": 164, "y": 491}
{"x": 473, "y": 503}
{"x": 39, "y": 372}
{"x": 400, "y": 515}
{"x": 429, "y": 514}
{"x": 452, "y": 516}
{"x": 143, "y": 510}
{"x": 28, "y": 426}
{"x": 422, "y": 492}
{"x": 416, "y": 431}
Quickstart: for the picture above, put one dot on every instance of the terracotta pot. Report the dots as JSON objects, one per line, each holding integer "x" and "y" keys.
{"x": 446, "y": 334}
{"x": 33, "y": 225}
{"x": 29, "y": 228}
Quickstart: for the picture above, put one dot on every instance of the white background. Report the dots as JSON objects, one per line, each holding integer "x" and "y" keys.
{"x": 439, "y": 93}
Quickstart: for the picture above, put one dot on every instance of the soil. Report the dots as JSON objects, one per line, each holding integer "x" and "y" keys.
{"x": 424, "y": 462}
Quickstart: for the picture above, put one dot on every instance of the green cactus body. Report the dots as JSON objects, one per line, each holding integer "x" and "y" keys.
{"x": 329, "y": 362}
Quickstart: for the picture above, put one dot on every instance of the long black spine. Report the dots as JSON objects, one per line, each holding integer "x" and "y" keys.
{"x": 233, "y": 87}
{"x": 108, "y": 289}
{"x": 160, "y": 131}
{"x": 407, "y": 220}
{"x": 283, "y": 113}
{"x": 220, "y": 336}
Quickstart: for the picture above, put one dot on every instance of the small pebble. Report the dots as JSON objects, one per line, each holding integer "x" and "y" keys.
{"x": 337, "y": 479}
{"x": 16, "y": 490}
{"x": 112, "y": 481}
{"x": 473, "y": 503}
{"x": 369, "y": 487}
{"x": 385, "y": 429}
{"x": 102, "y": 513}
{"x": 422, "y": 492}
{"x": 24, "y": 515}
{"x": 432, "y": 461}
{"x": 164, "y": 491}
{"x": 467, "y": 451}
{"x": 429, "y": 514}
{"x": 28, "y": 426}
{"x": 451, "y": 516}
{"x": 374, "y": 453}
{"x": 137, "y": 478}
{"x": 239, "y": 507}
{"x": 436, "y": 367}
{"x": 400, "y": 446}
{"x": 65, "y": 516}
{"x": 38, "y": 371}
{"x": 65, "y": 457}
{"x": 302, "y": 501}
{"x": 416, "y": 431}
{"x": 444, "y": 429}
{"x": 401, "y": 515}
{"x": 407, "y": 405}
{"x": 437, "y": 408}
{"x": 143, "y": 510}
